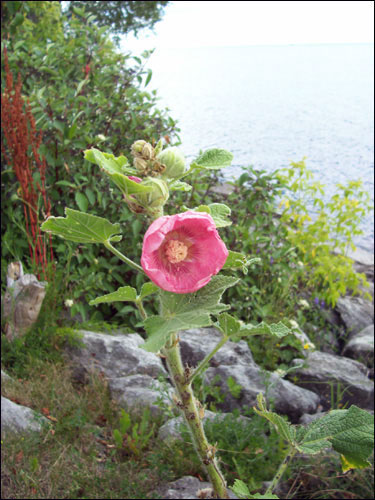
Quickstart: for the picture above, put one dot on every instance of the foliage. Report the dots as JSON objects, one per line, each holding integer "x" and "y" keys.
{"x": 100, "y": 99}
{"x": 122, "y": 17}
{"x": 323, "y": 242}
{"x": 247, "y": 449}
{"x": 139, "y": 435}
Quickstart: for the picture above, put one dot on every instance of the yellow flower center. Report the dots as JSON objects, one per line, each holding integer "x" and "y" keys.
{"x": 176, "y": 251}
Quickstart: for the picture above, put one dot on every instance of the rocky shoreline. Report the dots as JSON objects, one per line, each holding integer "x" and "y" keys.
{"x": 133, "y": 375}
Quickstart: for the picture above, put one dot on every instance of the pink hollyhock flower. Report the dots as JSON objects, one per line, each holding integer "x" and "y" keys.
{"x": 182, "y": 252}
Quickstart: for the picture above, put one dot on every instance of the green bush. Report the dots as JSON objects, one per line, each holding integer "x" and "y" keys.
{"x": 83, "y": 93}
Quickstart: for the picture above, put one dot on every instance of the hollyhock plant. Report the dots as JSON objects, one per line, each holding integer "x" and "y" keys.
{"x": 182, "y": 252}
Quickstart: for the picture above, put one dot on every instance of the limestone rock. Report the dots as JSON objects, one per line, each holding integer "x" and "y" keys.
{"x": 196, "y": 343}
{"x": 135, "y": 393}
{"x": 19, "y": 418}
{"x": 186, "y": 487}
{"x": 361, "y": 346}
{"x": 113, "y": 355}
{"x": 347, "y": 379}
{"x": 356, "y": 313}
{"x": 288, "y": 398}
{"x": 170, "y": 432}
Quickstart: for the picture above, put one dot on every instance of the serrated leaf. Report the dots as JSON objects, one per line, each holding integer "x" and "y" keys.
{"x": 277, "y": 330}
{"x": 234, "y": 260}
{"x": 350, "y": 432}
{"x": 148, "y": 289}
{"x": 213, "y": 159}
{"x": 123, "y": 294}
{"x": 179, "y": 186}
{"x": 81, "y": 201}
{"x": 218, "y": 211}
{"x": 82, "y": 228}
{"x": 240, "y": 489}
{"x": 286, "y": 430}
{"x": 184, "y": 311}
{"x": 228, "y": 324}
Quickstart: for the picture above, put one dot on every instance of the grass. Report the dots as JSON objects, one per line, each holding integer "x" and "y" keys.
{"x": 77, "y": 457}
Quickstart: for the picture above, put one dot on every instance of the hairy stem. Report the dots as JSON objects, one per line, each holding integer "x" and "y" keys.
{"x": 280, "y": 470}
{"x": 193, "y": 415}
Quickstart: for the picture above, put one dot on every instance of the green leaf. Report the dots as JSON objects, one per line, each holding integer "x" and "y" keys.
{"x": 277, "y": 330}
{"x": 81, "y": 201}
{"x": 235, "y": 260}
{"x": 149, "y": 76}
{"x": 123, "y": 294}
{"x": 213, "y": 159}
{"x": 90, "y": 195}
{"x": 285, "y": 429}
{"x": 350, "y": 432}
{"x": 184, "y": 311}
{"x": 117, "y": 169}
{"x": 218, "y": 211}
{"x": 228, "y": 324}
{"x": 82, "y": 228}
{"x": 148, "y": 289}
{"x": 240, "y": 489}
{"x": 179, "y": 186}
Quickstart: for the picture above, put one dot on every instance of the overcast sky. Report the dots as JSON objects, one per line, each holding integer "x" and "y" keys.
{"x": 236, "y": 23}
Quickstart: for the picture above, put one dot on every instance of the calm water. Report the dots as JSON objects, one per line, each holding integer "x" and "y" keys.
{"x": 270, "y": 105}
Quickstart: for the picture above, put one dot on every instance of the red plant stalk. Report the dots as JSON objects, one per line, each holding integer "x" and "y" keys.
{"x": 21, "y": 151}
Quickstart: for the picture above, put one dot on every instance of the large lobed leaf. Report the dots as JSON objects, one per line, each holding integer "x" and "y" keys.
{"x": 184, "y": 311}
{"x": 82, "y": 228}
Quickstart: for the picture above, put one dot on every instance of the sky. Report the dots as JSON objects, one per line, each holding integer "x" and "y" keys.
{"x": 242, "y": 23}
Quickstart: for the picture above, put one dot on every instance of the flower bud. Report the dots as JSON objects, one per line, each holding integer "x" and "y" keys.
{"x": 147, "y": 151}
{"x": 174, "y": 161}
{"x": 140, "y": 164}
{"x": 137, "y": 146}
{"x": 155, "y": 198}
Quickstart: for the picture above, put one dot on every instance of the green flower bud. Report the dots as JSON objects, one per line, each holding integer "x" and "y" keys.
{"x": 137, "y": 147}
{"x": 174, "y": 160}
{"x": 156, "y": 198}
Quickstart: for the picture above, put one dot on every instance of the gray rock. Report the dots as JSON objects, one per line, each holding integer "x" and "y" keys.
{"x": 356, "y": 313}
{"x": 185, "y": 488}
{"x": 361, "y": 346}
{"x": 325, "y": 373}
{"x": 5, "y": 377}
{"x": 113, "y": 355}
{"x": 196, "y": 343}
{"x": 19, "y": 418}
{"x": 138, "y": 392}
{"x": 170, "y": 432}
{"x": 223, "y": 189}
{"x": 288, "y": 398}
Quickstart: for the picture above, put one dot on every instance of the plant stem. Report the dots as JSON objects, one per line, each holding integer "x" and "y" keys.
{"x": 281, "y": 470}
{"x": 204, "y": 362}
{"x": 122, "y": 257}
{"x": 141, "y": 309}
{"x": 193, "y": 415}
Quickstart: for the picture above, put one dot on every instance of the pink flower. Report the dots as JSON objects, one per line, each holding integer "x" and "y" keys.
{"x": 182, "y": 252}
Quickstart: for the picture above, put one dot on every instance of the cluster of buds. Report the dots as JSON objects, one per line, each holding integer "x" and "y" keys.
{"x": 145, "y": 159}
{"x": 155, "y": 167}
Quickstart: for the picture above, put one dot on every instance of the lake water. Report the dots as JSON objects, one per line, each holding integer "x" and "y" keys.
{"x": 270, "y": 105}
